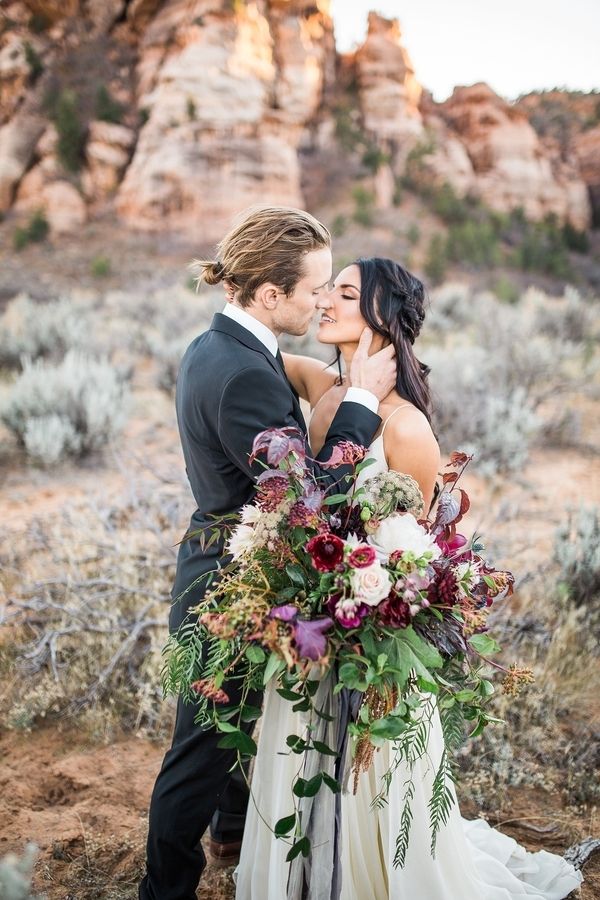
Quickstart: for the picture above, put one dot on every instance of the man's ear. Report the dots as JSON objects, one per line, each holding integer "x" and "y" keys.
{"x": 268, "y": 295}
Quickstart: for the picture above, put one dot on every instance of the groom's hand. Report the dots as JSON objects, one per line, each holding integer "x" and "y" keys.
{"x": 376, "y": 373}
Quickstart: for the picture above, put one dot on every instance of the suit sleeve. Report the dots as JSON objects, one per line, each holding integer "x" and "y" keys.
{"x": 256, "y": 399}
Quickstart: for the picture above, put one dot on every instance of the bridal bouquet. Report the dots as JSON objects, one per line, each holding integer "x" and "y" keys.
{"x": 356, "y": 591}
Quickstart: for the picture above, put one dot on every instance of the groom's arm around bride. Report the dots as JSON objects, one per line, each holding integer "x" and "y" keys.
{"x": 274, "y": 265}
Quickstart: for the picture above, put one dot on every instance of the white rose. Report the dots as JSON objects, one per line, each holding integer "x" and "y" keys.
{"x": 401, "y": 531}
{"x": 371, "y": 585}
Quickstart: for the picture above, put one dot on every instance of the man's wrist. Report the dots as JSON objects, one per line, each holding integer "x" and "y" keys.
{"x": 362, "y": 396}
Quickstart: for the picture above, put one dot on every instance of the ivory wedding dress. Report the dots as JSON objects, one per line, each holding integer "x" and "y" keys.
{"x": 473, "y": 861}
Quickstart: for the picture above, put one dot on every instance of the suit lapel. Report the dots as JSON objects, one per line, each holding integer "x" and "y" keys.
{"x": 229, "y": 326}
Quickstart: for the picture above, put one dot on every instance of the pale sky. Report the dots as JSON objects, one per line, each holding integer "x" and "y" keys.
{"x": 513, "y": 45}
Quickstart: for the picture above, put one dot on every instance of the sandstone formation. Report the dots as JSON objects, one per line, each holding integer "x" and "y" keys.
{"x": 229, "y": 103}
{"x": 389, "y": 92}
{"x": 509, "y": 163}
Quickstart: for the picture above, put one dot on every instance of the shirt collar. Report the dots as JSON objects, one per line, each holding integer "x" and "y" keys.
{"x": 260, "y": 331}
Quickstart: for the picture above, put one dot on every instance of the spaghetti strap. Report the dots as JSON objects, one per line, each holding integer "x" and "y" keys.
{"x": 402, "y": 405}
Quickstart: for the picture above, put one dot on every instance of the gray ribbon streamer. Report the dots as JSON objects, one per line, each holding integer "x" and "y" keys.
{"x": 319, "y": 876}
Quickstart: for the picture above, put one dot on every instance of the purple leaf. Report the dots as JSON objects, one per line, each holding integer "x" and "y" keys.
{"x": 310, "y": 638}
{"x": 448, "y": 509}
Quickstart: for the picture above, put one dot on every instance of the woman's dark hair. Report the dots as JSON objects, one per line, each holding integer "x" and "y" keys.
{"x": 392, "y": 303}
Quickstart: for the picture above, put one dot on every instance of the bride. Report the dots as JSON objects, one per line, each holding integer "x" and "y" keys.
{"x": 472, "y": 860}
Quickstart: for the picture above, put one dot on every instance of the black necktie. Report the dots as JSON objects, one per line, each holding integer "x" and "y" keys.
{"x": 279, "y": 359}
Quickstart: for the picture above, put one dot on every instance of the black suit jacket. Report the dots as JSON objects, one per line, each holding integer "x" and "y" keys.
{"x": 229, "y": 388}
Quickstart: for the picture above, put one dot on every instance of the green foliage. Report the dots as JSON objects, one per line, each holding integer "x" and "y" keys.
{"x": 398, "y": 191}
{"x": 347, "y": 129}
{"x": 575, "y": 240}
{"x": 107, "y": 108}
{"x": 38, "y": 23}
{"x": 506, "y": 290}
{"x": 442, "y": 797}
{"x": 374, "y": 157}
{"x": 542, "y": 249}
{"x": 364, "y": 203}
{"x": 415, "y": 170}
{"x": 339, "y": 225}
{"x": 413, "y": 234}
{"x": 473, "y": 242}
{"x": 446, "y": 203}
{"x": 144, "y": 115}
{"x": 36, "y": 66}
{"x": 35, "y": 231}
{"x": 64, "y": 111}
{"x": 191, "y": 109}
{"x": 100, "y": 266}
{"x": 436, "y": 261}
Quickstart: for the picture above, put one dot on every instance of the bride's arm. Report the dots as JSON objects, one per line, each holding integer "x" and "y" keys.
{"x": 310, "y": 377}
{"x": 410, "y": 447}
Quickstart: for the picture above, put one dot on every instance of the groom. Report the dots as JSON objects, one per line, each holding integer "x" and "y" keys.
{"x": 275, "y": 264}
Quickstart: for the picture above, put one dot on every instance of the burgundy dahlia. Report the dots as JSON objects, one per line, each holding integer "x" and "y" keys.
{"x": 443, "y": 589}
{"x": 394, "y": 611}
{"x": 326, "y": 551}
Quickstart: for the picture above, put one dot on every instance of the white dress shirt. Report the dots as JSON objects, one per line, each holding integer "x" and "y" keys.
{"x": 266, "y": 337}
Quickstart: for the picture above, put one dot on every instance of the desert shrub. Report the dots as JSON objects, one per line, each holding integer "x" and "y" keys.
{"x": 40, "y": 330}
{"x": 577, "y": 552}
{"x": 542, "y": 249}
{"x": 413, "y": 234}
{"x": 436, "y": 261}
{"x": 473, "y": 413}
{"x": 374, "y": 157}
{"x": 64, "y": 111}
{"x": 570, "y": 318}
{"x": 107, "y": 109}
{"x": 452, "y": 306}
{"x": 68, "y": 409}
{"x": 192, "y": 112}
{"x": 167, "y": 355}
{"x": 89, "y": 609}
{"x": 446, "y": 203}
{"x": 16, "y": 874}
{"x": 339, "y": 225}
{"x": 100, "y": 266}
{"x": 574, "y": 239}
{"x": 506, "y": 290}
{"x": 415, "y": 176}
{"x": 473, "y": 242}
{"x": 36, "y": 66}
{"x": 35, "y": 231}
{"x": 364, "y": 201}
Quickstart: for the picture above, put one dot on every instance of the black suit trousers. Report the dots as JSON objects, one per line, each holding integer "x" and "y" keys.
{"x": 193, "y": 782}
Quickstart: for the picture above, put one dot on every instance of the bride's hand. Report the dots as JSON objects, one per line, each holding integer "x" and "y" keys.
{"x": 376, "y": 373}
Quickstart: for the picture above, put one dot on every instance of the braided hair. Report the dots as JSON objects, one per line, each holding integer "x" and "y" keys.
{"x": 392, "y": 303}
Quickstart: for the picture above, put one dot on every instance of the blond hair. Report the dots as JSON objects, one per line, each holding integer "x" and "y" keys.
{"x": 267, "y": 245}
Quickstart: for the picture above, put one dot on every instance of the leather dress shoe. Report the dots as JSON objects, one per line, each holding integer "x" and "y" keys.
{"x": 223, "y": 854}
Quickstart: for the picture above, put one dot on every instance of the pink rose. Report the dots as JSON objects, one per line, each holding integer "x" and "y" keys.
{"x": 370, "y": 585}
